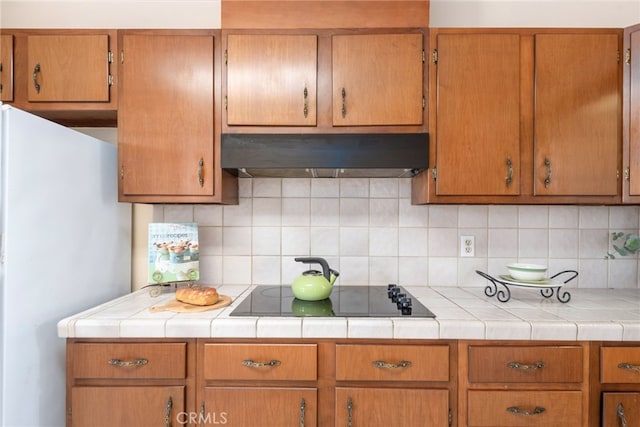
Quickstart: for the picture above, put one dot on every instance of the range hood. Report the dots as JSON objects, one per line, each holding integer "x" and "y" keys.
{"x": 379, "y": 155}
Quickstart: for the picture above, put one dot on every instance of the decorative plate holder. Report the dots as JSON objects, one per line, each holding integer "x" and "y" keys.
{"x": 547, "y": 289}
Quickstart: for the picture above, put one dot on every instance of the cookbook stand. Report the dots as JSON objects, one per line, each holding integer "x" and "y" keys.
{"x": 547, "y": 289}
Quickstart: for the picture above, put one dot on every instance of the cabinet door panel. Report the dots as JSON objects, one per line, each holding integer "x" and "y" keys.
{"x": 265, "y": 407}
{"x": 166, "y": 115}
{"x": 633, "y": 115}
{"x": 6, "y": 67}
{"x": 380, "y": 407}
{"x": 271, "y": 80}
{"x": 127, "y": 406}
{"x": 478, "y": 114}
{"x": 377, "y": 79}
{"x": 68, "y": 68}
{"x": 620, "y": 409}
{"x": 577, "y": 110}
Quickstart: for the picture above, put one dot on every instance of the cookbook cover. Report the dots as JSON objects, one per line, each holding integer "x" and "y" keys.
{"x": 174, "y": 254}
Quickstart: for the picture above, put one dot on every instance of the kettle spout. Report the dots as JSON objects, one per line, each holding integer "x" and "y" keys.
{"x": 333, "y": 276}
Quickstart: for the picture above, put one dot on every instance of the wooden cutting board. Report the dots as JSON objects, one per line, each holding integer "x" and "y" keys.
{"x": 181, "y": 307}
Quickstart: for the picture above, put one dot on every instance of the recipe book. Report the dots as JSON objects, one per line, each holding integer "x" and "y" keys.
{"x": 174, "y": 253}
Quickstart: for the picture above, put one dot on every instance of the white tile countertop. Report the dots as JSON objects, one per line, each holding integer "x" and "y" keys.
{"x": 461, "y": 313}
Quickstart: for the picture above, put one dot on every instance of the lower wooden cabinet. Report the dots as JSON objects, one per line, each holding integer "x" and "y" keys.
{"x": 523, "y": 384}
{"x": 127, "y": 406}
{"x": 352, "y": 382}
{"x": 542, "y": 408}
{"x": 130, "y": 382}
{"x": 620, "y": 409}
{"x": 260, "y": 406}
{"x": 374, "y": 406}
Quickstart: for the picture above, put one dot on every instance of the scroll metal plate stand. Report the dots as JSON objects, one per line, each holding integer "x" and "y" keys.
{"x": 503, "y": 293}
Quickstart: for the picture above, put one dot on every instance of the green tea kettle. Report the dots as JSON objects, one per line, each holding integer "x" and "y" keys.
{"x": 313, "y": 285}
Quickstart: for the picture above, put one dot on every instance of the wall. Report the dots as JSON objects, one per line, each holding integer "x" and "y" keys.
{"x": 368, "y": 229}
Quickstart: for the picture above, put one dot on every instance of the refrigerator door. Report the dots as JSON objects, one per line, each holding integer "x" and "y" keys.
{"x": 66, "y": 246}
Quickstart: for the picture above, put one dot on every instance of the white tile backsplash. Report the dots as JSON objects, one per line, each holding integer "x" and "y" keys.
{"x": 368, "y": 230}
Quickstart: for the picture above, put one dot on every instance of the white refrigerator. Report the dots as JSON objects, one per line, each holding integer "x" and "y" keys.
{"x": 65, "y": 246}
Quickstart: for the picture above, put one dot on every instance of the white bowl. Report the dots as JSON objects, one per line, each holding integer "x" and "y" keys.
{"x": 521, "y": 271}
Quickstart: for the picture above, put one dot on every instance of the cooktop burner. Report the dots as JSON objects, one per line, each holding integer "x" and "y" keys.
{"x": 345, "y": 301}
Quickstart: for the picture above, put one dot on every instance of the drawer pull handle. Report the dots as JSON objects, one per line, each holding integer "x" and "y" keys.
{"x": 167, "y": 412}
{"x": 124, "y": 364}
{"x": 36, "y": 85}
{"x": 629, "y": 367}
{"x": 303, "y": 407}
{"x": 250, "y": 363}
{"x": 401, "y": 364}
{"x": 349, "y": 412}
{"x": 525, "y": 367}
{"x": 515, "y": 410}
{"x": 621, "y": 417}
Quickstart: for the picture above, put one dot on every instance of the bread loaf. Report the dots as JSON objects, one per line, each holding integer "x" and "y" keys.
{"x": 197, "y": 295}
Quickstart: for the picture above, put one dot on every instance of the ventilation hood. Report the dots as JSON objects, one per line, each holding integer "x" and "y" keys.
{"x": 379, "y": 155}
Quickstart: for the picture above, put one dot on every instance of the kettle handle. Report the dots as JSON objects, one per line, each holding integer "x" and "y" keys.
{"x": 326, "y": 271}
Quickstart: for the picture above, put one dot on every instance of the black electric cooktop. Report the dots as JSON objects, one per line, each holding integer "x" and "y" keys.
{"x": 345, "y": 301}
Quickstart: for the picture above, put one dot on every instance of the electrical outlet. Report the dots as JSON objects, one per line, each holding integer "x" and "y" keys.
{"x": 467, "y": 246}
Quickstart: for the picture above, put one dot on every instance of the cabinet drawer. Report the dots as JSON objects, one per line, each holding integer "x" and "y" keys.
{"x": 620, "y": 409}
{"x": 107, "y": 360}
{"x": 620, "y": 364}
{"x": 532, "y": 364}
{"x": 392, "y": 362}
{"x": 525, "y": 408}
{"x": 260, "y": 361}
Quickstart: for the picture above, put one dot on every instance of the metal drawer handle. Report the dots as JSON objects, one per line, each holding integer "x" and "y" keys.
{"x": 344, "y": 102}
{"x": 349, "y": 412}
{"x": 123, "y": 364}
{"x": 515, "y": 410}
{"x": 36, "y": 85}
{"x": 621, "y": 417}
{"x": 167, "y": 412}
{"x": 547, "y": 180}
{"x": 250, "y": 363}
{"x": 509, "y": 178}
{"x": 629, "y": 367}
{"x": 401, "y": 364}
{"x": 201, "y": 172}
{"x": 303, "y": 407}
{"x": 305, "y": 107}
{"x": 523, "y": 367}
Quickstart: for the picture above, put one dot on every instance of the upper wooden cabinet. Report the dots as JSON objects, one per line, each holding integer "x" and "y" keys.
{"x": 377, "y": 79}
{"x": 577, "y": 114}
{"x": 478, "y": 114}
{"x": 631, "y": 116}
{"x": 6, "y": 67}
{"x": 168, "y": 137}
{"x": 271, "y": 79}
{"x": 324, "y": 81}
{"x": 68, "y": 68}
{"x": 65, "y": 75}
{"x": 524, "y": 116}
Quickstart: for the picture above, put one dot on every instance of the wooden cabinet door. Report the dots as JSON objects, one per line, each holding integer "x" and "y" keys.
{"x": 478, "y": 114}
{"x": 127, "y": 406}
{"x": 620, "y": 409}
{"x": 271, "y": 79}
{"x": 68, "y": 68}
{"x": 377, "y": 79}
{"x": 6, "y": 67}
{"x": 631, "y": 115}
{"x": 381, "y": 407}
{"x": 577, "y": 111}
{"x": 264, "y": 406}
{"x": 166, "y": 115}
